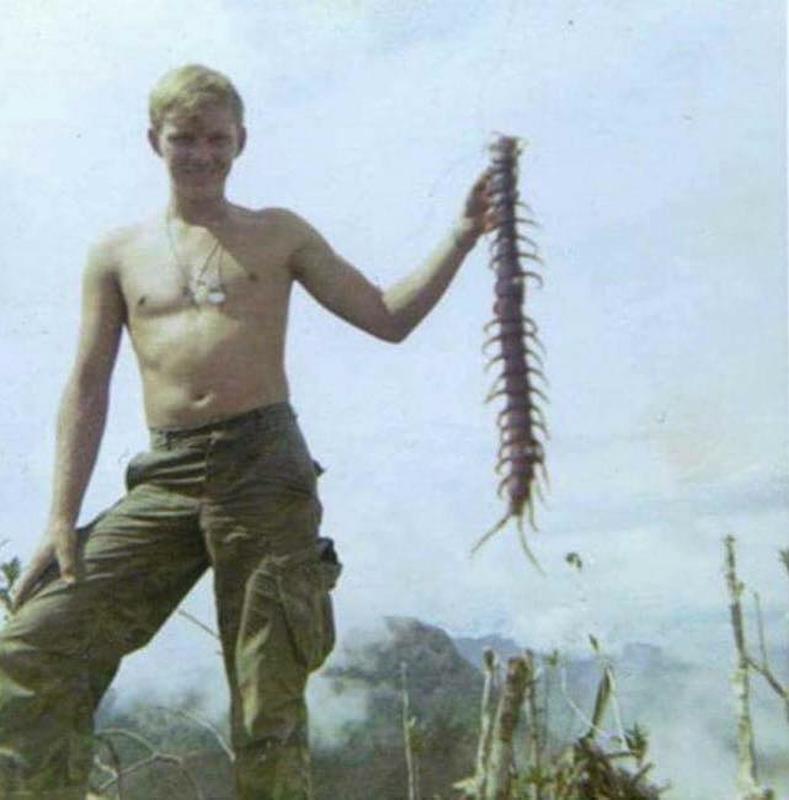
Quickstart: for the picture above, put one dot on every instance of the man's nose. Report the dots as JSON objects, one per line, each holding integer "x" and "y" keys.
{"x": 202, "y": 151}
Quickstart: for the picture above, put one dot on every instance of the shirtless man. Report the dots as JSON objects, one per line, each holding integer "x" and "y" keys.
{"x": 203, "y": 291}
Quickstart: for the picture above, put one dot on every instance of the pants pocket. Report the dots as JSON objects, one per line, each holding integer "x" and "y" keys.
{"x": 134, "y": 471}
{"x": 305, "y": 594}
{"x": 301, "y": 585}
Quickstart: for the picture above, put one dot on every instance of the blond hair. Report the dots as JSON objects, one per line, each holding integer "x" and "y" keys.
{"x": 188, "y": 88}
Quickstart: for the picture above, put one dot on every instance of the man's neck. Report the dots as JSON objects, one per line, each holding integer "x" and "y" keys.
{"x": 198, "y": 210}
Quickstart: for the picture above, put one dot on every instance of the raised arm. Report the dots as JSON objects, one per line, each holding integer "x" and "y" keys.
{"x": 82, "y": 415}
{"x": 393, "y": 313}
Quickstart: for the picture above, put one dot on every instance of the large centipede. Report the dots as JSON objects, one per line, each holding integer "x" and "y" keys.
{"x": 521, "y": 421}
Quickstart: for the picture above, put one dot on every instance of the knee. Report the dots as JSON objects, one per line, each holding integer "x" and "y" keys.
{"x": 15, "y": 654}
{"x": 28, "y": 670}
{"x": 24, "y": 676}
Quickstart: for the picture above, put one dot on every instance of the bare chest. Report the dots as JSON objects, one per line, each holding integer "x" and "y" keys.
{"x": 162, "y": 278}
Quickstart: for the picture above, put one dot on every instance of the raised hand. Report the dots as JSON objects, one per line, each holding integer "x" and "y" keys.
{"x": 479, "y": 215}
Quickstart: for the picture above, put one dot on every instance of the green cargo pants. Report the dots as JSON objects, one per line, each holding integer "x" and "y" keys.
{"x": 239, "y": 496}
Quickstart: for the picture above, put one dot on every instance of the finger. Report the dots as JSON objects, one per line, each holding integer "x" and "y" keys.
{"x": 492, "y": 220}
{"x": 31, "y": 576}
{"x": 23, "y": 587}
{"x": 66, "y": 552}
{"x": 482, "y": 181}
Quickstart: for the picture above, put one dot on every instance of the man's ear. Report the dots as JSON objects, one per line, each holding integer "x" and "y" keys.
{"x": 153, "y": 140}
{"x": 242, "y": 140}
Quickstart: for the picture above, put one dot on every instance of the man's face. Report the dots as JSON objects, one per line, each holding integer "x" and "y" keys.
{"x": 199, "y": 147}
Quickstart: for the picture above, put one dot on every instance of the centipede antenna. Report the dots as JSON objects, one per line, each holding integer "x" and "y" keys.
{"x": 492, "y": 532}
{"x": 525, "y": 545}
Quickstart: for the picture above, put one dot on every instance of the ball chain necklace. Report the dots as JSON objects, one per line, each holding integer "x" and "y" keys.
{"x": 199, "y": 285}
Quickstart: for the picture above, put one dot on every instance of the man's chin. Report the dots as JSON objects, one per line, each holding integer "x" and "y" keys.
{"x": 199, "y": 187}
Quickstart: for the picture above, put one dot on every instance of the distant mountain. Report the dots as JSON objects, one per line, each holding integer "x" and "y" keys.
{"x": 444, "y": 690}
{"x": 472, "y": 648}
{"x": 436, "y": 669}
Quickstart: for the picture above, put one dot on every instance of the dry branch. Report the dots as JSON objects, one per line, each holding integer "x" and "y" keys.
{"x": 763, "y": 666}
{"x": 581, "y": 771}
{"x": 747, "y": 779}
{"x": 602, "y": 698}
{"x": 501, "y": 767}
{"x": 200, "y": 624}
{"x": 598, "y": 777}
{"x": 594, "y": 729}
{"x": 535, "y": 732}
{"x": 487, "y": 713}
{"x": 154, "y": 757}
{"x": 203, "y": 723}
{"x": 408, "y": 728}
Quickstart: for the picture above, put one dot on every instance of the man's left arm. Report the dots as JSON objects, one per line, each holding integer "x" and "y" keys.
{"x": 393, "y": 313}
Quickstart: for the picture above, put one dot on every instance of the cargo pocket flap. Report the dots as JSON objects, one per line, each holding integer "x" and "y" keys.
{"x": 303, "y": 584}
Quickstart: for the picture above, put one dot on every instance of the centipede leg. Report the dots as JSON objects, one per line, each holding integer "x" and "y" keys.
{"x": 525, "y": 544}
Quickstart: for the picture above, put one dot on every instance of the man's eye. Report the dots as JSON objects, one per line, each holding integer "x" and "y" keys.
{"x": 181, "y": 139}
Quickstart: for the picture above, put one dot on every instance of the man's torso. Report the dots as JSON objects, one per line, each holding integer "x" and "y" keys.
{"x": 199, "y": 359}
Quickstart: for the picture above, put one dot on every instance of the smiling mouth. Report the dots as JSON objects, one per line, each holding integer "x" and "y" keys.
{"x": 201, "y": 174}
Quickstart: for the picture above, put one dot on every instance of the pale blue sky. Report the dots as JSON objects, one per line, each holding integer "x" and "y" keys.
{"x": 656, "y": 167}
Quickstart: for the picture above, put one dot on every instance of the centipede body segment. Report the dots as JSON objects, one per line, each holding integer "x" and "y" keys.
{"x": 514, "y": 347}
